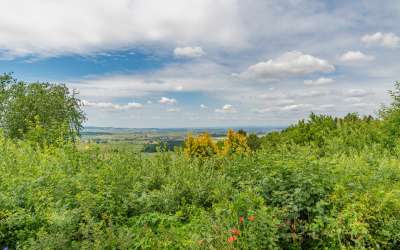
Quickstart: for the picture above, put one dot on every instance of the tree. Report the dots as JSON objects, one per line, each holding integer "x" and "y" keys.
{"x": 235, "y": 143}
{"x": 43, "y": 112}
{"x": 254, "y": 142}
{"x": 391, "y": 117}
{"x": 201, "y": 146}
{"x": 242, "y": 132}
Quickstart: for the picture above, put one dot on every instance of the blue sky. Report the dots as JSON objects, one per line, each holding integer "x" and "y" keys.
{"x": 196, "y": 63}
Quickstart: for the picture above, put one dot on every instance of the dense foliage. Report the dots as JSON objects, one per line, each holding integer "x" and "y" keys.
{"x": 323, "y": 183}
{"x": 39, "y": 112}
{"x": 61, "y": 198}
{"x": 203, "y": 146}
{"x": 169, "y": 145}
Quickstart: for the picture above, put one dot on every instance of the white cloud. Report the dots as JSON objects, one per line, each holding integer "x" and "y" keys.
{"x": 356, "y": 93}
{"x": 124, "y": 86}
{"x": 295, "y": 107}
{"x": 179, "y": 88}
{"x": 327, "y": 106}
{"x": 134, "y": 105}
{"x": 189, "y": 77}
{"x": 383, "y": 39}
{"x": 109, "y": 105}
{"x": 166, "y": 100}
{"x": 292, "y": 63}
{"x": 319, "y": 81}
{"x": 355, "y": 56}
{"x": 227, "y": 108}
{"x": 353, "y": 99}
{"x": 173, "y": 110}
{"x": 310, "y": 94}
{"x": 285, "y": 108}
{"x": 202, "y": 106}
{"x": 85, "y": 27}
{"x": 362, "y": 104}
{"x": 289, "y": 96}
{"x": 188, "y": 52}
{"x": 284, "y": 102}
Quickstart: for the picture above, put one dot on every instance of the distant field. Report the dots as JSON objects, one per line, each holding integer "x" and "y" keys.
{"x": 149, "y": 139}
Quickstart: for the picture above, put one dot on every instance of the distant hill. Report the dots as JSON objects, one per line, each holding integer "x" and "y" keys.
{"x": 90, "y": 130}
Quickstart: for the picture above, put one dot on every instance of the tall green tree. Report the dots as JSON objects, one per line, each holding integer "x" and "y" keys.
{"x": 42, "y": 112}
{"x": 391, "y": 117}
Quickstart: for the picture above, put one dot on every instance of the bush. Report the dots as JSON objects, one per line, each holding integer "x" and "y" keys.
{"x": 201, "y": 146}
{"x": 235, "y": 143}
{"x": 254, "y": 142}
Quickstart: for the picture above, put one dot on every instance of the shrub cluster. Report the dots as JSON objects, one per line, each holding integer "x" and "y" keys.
{"x": 203, "y": 146}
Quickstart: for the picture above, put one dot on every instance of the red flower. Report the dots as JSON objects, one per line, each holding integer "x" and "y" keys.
{"x": 235, "y": 231}
{"x": 232, "y": 239}
{"x": 241, "y": 219}
{"x": 251, "y": 218}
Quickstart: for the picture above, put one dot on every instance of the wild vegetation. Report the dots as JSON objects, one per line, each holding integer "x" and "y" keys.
{"x": 41, "y": 112}
{"x": 323, "y": 183}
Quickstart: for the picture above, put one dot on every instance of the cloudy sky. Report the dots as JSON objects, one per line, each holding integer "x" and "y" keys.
{"x": 185, "y": 63}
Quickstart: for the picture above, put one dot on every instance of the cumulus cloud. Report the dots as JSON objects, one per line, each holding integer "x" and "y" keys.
{"x": 227, "y": 108}
{"x": 109, "y": 105}
{"x": 188, "y": 77}
{"x": 188, "y": 52}
{"x": 319, "y": 81}
{"x": 355, "y": 56}
{"x": 85, "y": 27}
{"x": 173, "y": 110}
{"x": 383, "y": 39}
{"x": 166, "y": 100}
{"x": 293, "y": 63}
{"x": 202, "y": 106}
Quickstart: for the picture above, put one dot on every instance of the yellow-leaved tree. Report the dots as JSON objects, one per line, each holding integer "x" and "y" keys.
{"x": 235, "y": 143}
{"x": 201, "y": 146}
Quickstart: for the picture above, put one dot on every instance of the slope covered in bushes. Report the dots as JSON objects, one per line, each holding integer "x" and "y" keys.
{"x": 292, "y": 197}
{"x": 323, "y": 183}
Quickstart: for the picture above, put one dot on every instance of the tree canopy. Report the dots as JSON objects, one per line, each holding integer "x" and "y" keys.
{"x": 41, "y": 112}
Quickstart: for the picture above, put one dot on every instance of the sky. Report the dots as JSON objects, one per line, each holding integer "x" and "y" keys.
{"x": 207, "y": 63}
